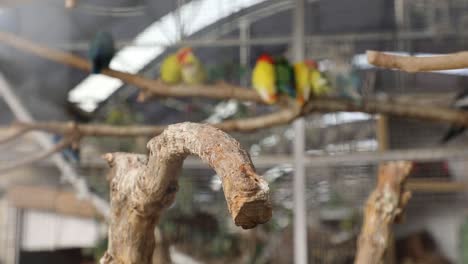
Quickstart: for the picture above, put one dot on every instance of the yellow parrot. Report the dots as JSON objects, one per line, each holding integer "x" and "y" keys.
{"x": 303, "y": 87}
{"x": 318, "y": 82}
{"x": 193, "y": 71}
{"x": 264, "y": 79}
{"x": 170, "y": 70}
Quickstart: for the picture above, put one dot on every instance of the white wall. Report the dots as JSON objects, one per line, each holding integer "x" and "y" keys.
{"x": 49, "y": 231}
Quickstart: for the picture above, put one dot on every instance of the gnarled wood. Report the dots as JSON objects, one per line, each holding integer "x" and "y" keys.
{"x": 384, "y": 205}
{"x": 142, "y": 187}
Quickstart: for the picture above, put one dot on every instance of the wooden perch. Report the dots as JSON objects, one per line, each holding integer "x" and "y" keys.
{"x": 142, "y": 187}
{"x": 384, "y": 205}
{"x": 390, "y": 108}
{"x": 284, "y": 116}
{"x": 280, "y": 117}
{"x": 147, "y": 86}
{"x": 451, "y": 61}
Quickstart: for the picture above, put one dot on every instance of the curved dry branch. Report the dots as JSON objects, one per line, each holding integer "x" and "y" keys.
{"x": 148, "y": 86}
{"x": 383, "y": 207}
{"x": 450, "y": 61}
{"x": 142, "y": 187}
{"x": 284, "y": 116}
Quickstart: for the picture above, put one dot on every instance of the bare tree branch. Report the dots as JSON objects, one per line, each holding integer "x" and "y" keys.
{"x": 148, "y": 86}
{"x": 64, "y": 143}
{"x": 18, "y": 132}
{"x": 142, "y": 187}
{"x": 451, "y": 61}
{"x": 384, "y": 205}
{"x": 389, "y": 107}
{"x": 284, "y": 116}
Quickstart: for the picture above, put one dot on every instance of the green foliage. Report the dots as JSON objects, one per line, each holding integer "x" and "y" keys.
{"x": 184, "y": 198}
{"x": 122, "y": 115}
{"x": 98, "y": 251}
{"x": 119, "y": 115}
{"x": 229, "y": 72}
{"x": 351, "y": 222}
{"x": 464, "y": 242}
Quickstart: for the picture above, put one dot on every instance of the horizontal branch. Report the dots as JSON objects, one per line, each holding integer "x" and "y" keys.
{"x": 389, "y": 107}
{"x": 281, "y": 117}
{"x": 219, "y": 91}
{"x": 450, "y": 61}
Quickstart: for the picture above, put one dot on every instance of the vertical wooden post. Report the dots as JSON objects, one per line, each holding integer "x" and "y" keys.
{"x": 383, "y": 206}
{"x": 383, "y": 145}
{"x": 382, "y": 132}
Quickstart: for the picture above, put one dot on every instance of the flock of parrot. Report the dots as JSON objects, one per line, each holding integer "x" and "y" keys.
{"x": 271, "y": 77}
{"x": 182, "y": 66}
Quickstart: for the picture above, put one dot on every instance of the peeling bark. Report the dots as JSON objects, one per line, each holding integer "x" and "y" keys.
{"x": 142, "y": 187}
{"x": 384, "y": 206}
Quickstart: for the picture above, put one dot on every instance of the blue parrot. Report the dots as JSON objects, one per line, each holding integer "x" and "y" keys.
{"x": 101, "y": 51}
{"x": 69, "y": 154}
{"x": 349, "y": 85}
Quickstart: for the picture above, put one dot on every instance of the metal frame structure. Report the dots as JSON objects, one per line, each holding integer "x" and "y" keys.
{"x": 299, "y": 181}
{"x": 69, "y": 174}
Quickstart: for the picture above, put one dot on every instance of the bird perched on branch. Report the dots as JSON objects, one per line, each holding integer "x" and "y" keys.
{"x": 192, "y": 69}
{"x": 461, "y": 102}
{"x": 170, "y": 70}
{"x": 264, "y": 79}
{"x": 285, "y": 77}
{"x": 319, "y": 84}
{"x": 349, "y": 84}
{"x": 71, "y": 154}
{"x": 303, "y": 86}
{"x": 101, "y": 51}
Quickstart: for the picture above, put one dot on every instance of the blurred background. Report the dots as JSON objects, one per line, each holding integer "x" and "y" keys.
{"x": 44, "y": 220}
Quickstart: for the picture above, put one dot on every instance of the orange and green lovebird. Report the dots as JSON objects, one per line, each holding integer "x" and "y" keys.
{"x": 264, "y": 79}
{"x": 192, "y": 69}
{"x": 171, "y": 70}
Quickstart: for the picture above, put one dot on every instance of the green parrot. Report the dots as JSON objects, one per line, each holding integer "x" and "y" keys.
{"x": 285, "y": 77}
